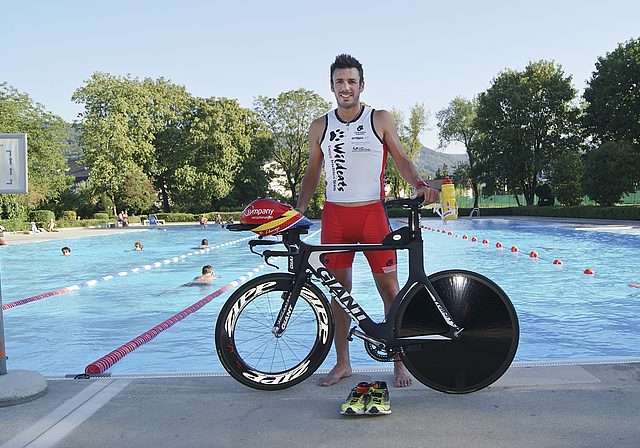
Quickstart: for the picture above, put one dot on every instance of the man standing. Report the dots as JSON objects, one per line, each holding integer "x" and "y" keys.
{"x": 352, "y": 141}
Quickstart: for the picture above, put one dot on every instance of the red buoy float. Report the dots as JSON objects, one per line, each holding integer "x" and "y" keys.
{"x": 449, "y": 233}
{"x": 557, "y": 262}
{"x": 514, "y": 249}
{"x": 589, "y": 271}
{"x": 533, "y": 254}
{"x": 474, "y": 239}
{"x": 485, "y": 241}
{"x": 498, "y": 244}
{"x": 465, "y": 237}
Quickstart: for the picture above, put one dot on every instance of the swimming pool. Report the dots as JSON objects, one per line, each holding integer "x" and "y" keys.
{"x": 564, "y": 314}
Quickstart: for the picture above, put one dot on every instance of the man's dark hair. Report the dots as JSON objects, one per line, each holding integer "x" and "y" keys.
{"x": 346, "y": 61}
{"x": 207, "y": 269}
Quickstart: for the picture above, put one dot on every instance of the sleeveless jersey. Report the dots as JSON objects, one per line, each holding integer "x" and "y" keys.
{"x": 354, "y": 159}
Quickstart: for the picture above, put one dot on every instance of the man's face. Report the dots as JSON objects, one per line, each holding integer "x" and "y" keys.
{"x": 346, "y": 86}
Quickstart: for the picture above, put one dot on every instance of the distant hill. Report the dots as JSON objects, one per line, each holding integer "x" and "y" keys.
{"x": 429, "y": 161}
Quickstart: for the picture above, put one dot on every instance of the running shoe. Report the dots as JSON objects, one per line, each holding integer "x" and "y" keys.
{"x": 378, "y": 403}
{"x": 357, "y": 399}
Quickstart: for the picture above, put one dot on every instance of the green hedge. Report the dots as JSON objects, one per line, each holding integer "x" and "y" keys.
{"x": 41, "y": 216}
{"x": 69, "y": 215}
{"x": 622, "y": 213}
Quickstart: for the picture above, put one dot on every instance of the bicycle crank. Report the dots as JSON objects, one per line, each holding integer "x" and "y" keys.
{"x": 377, "y": 349}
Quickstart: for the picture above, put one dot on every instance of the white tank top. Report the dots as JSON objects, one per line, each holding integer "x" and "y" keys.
{"x": 354, "y": 159}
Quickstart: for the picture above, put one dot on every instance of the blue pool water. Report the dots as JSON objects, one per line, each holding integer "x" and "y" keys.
{"x": 564, "y": 314}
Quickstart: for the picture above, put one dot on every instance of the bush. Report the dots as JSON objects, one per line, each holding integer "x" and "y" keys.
{"x": 14, "y": 225}
{"x": 101, "y": 216}
{"x": 622, "y": 213}
{"x": 41, "y": 215}
{"x": 69, "y": 215}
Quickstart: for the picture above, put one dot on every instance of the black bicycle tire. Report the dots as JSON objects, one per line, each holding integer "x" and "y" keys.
{"x": 260, "y": 300}
{"x": 486, "y": 346}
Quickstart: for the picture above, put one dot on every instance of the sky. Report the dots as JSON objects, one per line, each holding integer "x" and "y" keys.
{"x": 413, "y": 52}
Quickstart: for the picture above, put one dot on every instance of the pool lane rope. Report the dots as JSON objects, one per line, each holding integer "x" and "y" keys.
{"x": 499, "y": 245}
{"x": 101, "y": 365}
{"x": 121, "y": 274}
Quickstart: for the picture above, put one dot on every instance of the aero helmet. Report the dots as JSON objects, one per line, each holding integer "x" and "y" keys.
{"x": 270, "y": 216}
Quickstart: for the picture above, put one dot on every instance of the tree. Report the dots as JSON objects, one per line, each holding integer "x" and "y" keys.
{"x": 172, "y": 112}
{"x": 137, "y": 195}
{"x": 565, "y": 172}
{"x": 610, "y": 171}
{"x": 226, "y": 149}
{"x": 443, "y": 172}
{"x": 613, "y": 97}
{"x": 288, "y": 118}
{"x": 118, "y": 130}
{"x": 456, "y": 124}
{"x": 46, "y": 141}
{"x": 524, "y": 119}
{"x": 409, "y": 137}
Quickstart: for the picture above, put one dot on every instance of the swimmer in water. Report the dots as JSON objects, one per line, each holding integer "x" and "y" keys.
{"x": 207, "y": 278}
{"x": 137, "y": 246}
{"x": 66, "y": 251}
{"x": 203, "y": 244}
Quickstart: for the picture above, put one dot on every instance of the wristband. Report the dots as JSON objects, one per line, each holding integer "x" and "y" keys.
{"x": 422, "y": 184}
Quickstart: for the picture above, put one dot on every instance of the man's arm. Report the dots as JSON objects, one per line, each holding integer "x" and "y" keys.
{"x": 386, "y": 127}
{"x": 312, "y": 175}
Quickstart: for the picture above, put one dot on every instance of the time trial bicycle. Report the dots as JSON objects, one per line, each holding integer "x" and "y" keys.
{"x": 456, "y": 331}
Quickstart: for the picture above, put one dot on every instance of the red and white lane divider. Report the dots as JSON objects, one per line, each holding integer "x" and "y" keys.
{"x": 121, "y": 274}
{"x": 499, "y": 245}
{"x": 100, "y": 366}
{"x": 104, "y": 363}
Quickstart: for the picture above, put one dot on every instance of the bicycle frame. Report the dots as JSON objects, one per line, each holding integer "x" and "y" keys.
{"x": 306, "y": 260}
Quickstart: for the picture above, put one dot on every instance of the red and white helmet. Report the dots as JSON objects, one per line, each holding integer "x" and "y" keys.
{"x": 272, "y": 216}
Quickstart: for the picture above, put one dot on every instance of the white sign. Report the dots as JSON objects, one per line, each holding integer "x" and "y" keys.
{"x": 13, "y": 164}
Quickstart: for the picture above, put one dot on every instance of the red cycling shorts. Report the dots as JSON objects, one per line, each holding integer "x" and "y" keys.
{"x": 367, "y": 224}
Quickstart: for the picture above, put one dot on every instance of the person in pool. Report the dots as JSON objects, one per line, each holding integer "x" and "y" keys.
{"x": 208, "y": 276}
{"x": 66, "y": 251}
{"x": 204, "y": 243}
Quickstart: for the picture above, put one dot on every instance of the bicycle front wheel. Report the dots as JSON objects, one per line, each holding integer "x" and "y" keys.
{"x": 250, "y": 352}
{"x": 486, "y": 346}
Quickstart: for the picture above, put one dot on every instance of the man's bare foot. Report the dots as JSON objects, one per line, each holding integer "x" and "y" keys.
{"x": 401, "y": 376}
{"x": 335, "y": 375}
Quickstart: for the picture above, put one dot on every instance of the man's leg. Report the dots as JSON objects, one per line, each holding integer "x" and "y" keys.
{"x": 388, "y": 288}
{"x": 342, "y": 369}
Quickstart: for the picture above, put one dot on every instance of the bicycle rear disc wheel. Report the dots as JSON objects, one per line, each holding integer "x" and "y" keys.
{"x": 250, "y": 352}
{"x": 486, "y": 346}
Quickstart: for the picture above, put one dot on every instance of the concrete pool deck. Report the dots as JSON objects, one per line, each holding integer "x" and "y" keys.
{"x": 72, "y": 232}
{"x": 530, "y": 406}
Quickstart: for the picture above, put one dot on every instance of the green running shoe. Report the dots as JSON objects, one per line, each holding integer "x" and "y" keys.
{"x": 378, "y": 399}
{"x": 356, "y": 400}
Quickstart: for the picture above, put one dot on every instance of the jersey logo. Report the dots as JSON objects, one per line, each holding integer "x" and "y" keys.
{"x": 336, "y": 136}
